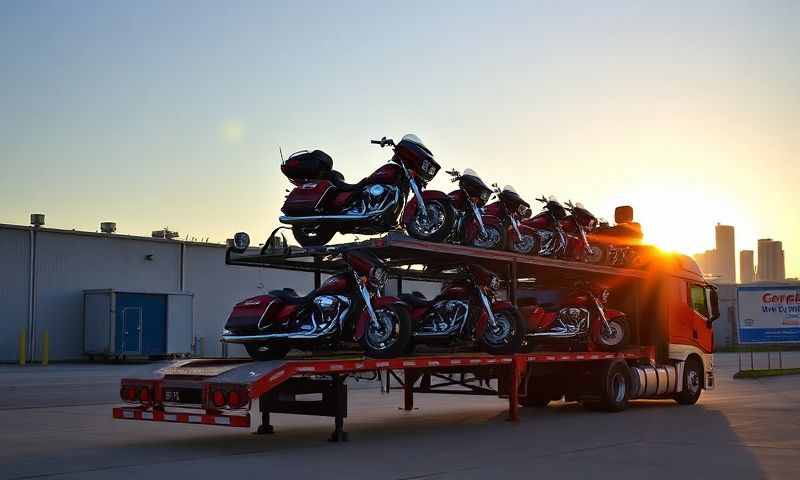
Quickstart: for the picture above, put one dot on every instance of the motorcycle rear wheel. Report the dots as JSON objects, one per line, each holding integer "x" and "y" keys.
{"x": 307, "y": 238}
{"x": 438, "y": 225}
{"x": 270, "y": 352}
{"x": 392, "y": 335}
{"x": 506, "y": 336}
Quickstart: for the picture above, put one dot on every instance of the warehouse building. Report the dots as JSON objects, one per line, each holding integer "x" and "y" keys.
{"x": 46, "y": 271}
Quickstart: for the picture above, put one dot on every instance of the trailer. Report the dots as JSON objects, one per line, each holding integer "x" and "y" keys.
{"x": 668, "y": 355}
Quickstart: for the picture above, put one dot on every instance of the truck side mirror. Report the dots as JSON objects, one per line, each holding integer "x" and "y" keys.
{"x": 713, "y": 303}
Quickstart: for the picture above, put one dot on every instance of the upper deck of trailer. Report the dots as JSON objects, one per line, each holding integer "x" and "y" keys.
{"x": 415, "y": 259}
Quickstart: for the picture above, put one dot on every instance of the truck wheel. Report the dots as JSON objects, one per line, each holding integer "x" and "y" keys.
{"x": 391, "y": 336}
{"x": 614, "y": 389}
{"x": 692, "y": 382}
{"x": 506, "y": 336}
{"x": 263, "y": 353}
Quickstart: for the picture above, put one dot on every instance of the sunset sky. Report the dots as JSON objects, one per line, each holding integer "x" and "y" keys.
{"x": 157, "y": 114}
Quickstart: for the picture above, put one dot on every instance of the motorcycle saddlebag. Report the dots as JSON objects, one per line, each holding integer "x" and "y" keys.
{"x": 307, "y": 199}
{"x": 245, "y": 316}
{"x": 306, "y": 165}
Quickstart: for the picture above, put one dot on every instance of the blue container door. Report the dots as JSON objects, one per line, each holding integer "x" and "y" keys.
{"x": 141, "y": 323}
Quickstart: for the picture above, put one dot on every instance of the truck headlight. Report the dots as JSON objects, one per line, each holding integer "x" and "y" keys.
{"x": 241, "y": 241}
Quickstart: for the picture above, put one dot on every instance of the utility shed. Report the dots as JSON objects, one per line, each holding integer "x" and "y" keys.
{"x": 128, "y": 323}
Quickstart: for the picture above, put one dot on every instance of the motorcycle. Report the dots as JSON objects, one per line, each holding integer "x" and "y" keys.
{"x": 467, "y": 309}
{"x": 510, "y": 208}
{"x": 582, "y": 317}
{"x": 619, "y": 245}
{"x": 577, "y": 225}
{"x": 346, "y": 309}
{"x": 551, "y": 239}
{"x": 457, "y": 217}
{"x": 322, "y": 203}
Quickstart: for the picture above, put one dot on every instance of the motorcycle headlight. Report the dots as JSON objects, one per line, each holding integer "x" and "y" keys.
{"x": 377, "y": 277}
{"x": 241, "y": 241}
{"x": 485, "y": 196}
{"x": 524, "y": 211}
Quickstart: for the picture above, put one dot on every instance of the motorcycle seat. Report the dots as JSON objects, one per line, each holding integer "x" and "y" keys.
{"x": 416, "y": 299}
{"x": 337, "y": 179}
{"x": 289, "y": 296}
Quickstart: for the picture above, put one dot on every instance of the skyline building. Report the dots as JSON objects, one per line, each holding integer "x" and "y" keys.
{"x": 725, "y": 256}
{"x": 747, "y": 270}
{"x": 771, "y": 261}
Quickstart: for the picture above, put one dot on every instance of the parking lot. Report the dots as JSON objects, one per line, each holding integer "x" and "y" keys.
{"x": 57, "y": 424}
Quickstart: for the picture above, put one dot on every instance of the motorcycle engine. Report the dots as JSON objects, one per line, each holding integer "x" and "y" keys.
{"x": 327, "y": 309}
{"x": 445, "y": 318}
{"x": 573, "y": 319}
{"x": 378, "y": 196}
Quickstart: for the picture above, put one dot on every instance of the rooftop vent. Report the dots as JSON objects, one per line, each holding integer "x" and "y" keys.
{"x": 108, "y": 227}
{"x": 37, "y": 219}
{"x": 165, "y": 233}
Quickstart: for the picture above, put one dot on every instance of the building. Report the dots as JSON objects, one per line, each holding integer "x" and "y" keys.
{"x": 746, "y": 266}
{"x": 725, "y": 253}
{"x": 771, "y": 262}
{"x": 707, "y": 261}
{"x": 45, "y": 272}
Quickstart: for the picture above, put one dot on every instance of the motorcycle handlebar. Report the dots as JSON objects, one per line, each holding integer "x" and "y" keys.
{"x": 383, "y": 142}
{"x": 542, "y": 199}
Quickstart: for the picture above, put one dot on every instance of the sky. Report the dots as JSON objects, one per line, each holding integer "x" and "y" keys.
{"x": 156, "y": 114}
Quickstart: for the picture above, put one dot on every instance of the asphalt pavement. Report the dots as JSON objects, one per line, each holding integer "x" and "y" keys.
{"x": 56, "y": 423}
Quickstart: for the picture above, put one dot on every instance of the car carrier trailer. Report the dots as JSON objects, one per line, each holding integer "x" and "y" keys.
{"x": 668, "y": 355}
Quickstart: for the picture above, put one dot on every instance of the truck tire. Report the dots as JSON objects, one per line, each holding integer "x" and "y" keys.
{"x": 614, "y": 387}
{"x": 692, "y": 382}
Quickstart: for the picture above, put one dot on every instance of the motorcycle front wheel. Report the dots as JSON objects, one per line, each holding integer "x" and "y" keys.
{"x": 390, "y": 336}
{"x": 494, "y": 239}
{"x": 436, "y": 226}
{"x": 615, "y": 338}
{"x": 526, "y": 245}
{"x": 597, "y": 257}
{"x": 308, "y": 237}
{"x": 506, "y": 335}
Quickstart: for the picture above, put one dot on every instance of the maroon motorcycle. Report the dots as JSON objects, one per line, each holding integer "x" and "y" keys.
{"x": 511, "y": 209}
{"x": 322, "y": 203}
{"x": 580, "y": 319}
{"x": 561, "y": 232}
{"x": 466, "y": 310}
{"x": 456, "y": 217}
{"x": 345, "y": 309}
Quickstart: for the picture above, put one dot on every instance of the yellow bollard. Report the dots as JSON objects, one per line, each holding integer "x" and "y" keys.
{"x": 22, "y": 347}
{"x": 45, "y": 348}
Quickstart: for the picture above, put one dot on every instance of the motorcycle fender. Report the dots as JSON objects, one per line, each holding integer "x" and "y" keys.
{"x": 377, "y": 302}
{"x": 483, "y": 320}
{"x": 411, "y": 207}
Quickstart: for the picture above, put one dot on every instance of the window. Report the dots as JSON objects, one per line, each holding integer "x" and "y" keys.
{"x": 698, "y": 299}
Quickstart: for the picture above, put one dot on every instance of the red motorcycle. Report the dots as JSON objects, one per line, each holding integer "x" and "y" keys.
{"x": 466, "y": 309}
{"x": 581, "y": 317}
{"x": 511, "y": 209}
{"x": 619, "y": 245}
{"x": 345, "y": 309}
{"x": 561, "y": 232}
{"x": 457, "y": 217}
{"x": 322, "y": 203}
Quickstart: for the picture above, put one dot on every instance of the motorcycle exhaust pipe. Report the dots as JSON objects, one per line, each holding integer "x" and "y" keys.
{"x": 280, "y": 336}
{"x": 339, "y": 218}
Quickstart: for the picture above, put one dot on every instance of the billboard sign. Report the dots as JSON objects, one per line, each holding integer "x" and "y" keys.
{"x": 769, "y": 314}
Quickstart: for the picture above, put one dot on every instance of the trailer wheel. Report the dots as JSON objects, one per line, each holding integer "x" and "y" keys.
{"x": 263, "y": 353}
{"x": 614, "y": 388}
{"x": 692, "y": 382}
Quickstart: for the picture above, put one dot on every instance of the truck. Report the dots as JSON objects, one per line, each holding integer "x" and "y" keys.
{"x": 670, "y": 309}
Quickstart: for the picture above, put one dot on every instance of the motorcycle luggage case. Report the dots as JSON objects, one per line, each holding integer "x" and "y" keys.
{"x": 307, "y": 199}
{"x": 305, "y": 165}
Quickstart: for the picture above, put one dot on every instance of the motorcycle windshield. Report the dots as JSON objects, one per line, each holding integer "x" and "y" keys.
{"x": 473, "y": 184}
{"x": 415, "y": 140}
